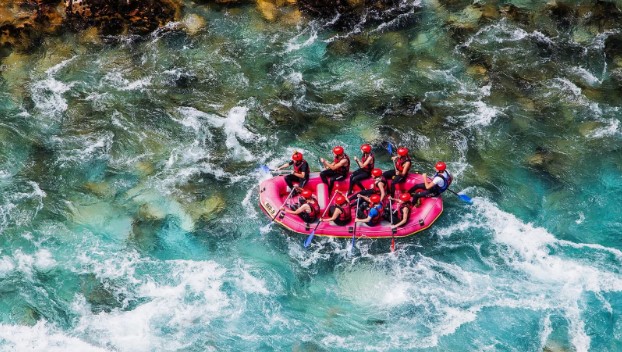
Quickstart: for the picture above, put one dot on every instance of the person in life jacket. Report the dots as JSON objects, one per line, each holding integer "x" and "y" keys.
{"x": 402, "y": 165}
{"x": 439, "y": 184}
{"x": 366, "y": 165}
{"x": 401, "y": 214}
{"x": 373, "y": 212}
{"x": 307, "y": 208}
{"x": 337, "y": 170}
{"x": 300, "y": 172}
{"x": 378, "y": 187}
{"x": 340, "y": 213}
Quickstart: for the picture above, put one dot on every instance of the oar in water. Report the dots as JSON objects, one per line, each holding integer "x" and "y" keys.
{"x": 463, "y": 197}
{"x": 354, "y": 230}
{"x": 282, "y": 206}
{"x": 310, "y": 238}
{"x": 392, "y": 229}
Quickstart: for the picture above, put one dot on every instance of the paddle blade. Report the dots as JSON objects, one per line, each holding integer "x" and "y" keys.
{"x": 465, "y": 198}
{"x": 393, "y": 245}
{"x": 309, "y": 239}
{"x": 264, "y": 168}
{"x": 390, "y": 148}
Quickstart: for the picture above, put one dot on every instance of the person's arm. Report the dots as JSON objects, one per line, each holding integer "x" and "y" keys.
{"x": 336, "y": 214}
{"x": 383, "y": 193}
{"x": 284, "y": 165}
{"x": 428, "y": 184}
{"x": 367, "y": 162}
{"x": 364, "y": 198}
{"x": 405, "y": 168}
{"x": 299, "y": 210}
{"x": 405, "y": 211}
{"x": 367, "y": 219}
{"x": 335, "y": 166}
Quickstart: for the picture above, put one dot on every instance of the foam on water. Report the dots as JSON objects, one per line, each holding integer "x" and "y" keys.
{"x": 42, "y": 337}
{"x": 47, "y": 94}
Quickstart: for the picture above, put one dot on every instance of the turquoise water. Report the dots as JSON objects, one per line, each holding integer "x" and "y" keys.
{"x": 128, "y": 175}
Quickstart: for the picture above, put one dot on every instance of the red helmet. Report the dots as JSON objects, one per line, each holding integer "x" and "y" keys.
{"x": 307, "y": 194}
{"x": 374, "y": 198}
{"x": 338, "y": 150}
{"x": 297, "y": 156}
{"x": 376, "y": 172}
{"x": 340, "y": 200}
{"x": 405, "y": 197}
{"x": 366, "y": 148}
{"x": 402, "y": 151}
{"x": 440, "y": 166}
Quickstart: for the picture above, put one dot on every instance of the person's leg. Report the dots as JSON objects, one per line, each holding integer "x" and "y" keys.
{"x": 289, "y": 179}
{"x": 356, "y": 178}
{"x": 396, "y": 180}
{"x": 414, "y": 188}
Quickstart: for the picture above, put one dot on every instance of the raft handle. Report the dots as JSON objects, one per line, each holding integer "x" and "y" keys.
{"x": 421, "y": 223}
{"x": 350, "y": 229}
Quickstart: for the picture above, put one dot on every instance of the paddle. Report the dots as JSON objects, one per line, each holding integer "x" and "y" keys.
{"x": 392, "y": 229}
{"x": 281, "y": 208}
{"x": 462, "y": 197}
{"x": 354, "y": 230}
{"x": 308, "y": 240}
{"x": 265, "y": 168}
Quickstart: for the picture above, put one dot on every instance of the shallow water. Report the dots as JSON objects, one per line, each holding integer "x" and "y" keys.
{"x": 128, "y": 171}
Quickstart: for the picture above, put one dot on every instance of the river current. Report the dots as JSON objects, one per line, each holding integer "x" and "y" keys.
{"x": 129, "y": 167}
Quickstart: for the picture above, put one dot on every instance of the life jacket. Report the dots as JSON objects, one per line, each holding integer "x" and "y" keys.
{"x": 399, "y": 162}
{"x": 369, "y": 166}
{"x": 315, "y": 210}
{"x": 346, "y": 214}
{"x": 302, "y": 166}
{"x": 446, "y": 180}
{"x": 376, "y": 188}
{"x": 376, "y": 219}
{"x": 344, "y": 169}
{"x": 400, "y": 210}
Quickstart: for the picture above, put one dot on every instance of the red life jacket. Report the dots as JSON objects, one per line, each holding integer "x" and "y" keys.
{"x": 346, "y": 214}
{"x": 369, "y": 166}
{"x": 376, "y": 219}
{"x": 344, "y": 169}
{"x": 399, "y": 162}
{"x": 302, "y": 166}
{"x": 376, "y": 188}
{"x": 315, "y": 211}
{"x": 400, "y": 210}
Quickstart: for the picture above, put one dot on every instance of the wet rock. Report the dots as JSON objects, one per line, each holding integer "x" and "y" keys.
{"x": 100, "y": 295}
{"x": 121, "y": 16}
{"x": 605, "y": 15}
{"x": 587, "y": 129}
{"x": 24, "y": 22}
{"x": 541, "y": 158}
{"x": 515, "y": 14}
{"x": 193, "y": 23}
{"x": 613, "y": 47}
{"x": 564, "y": 15}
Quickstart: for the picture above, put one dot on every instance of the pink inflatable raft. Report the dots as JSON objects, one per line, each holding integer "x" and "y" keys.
{"x": 273, "y": 193}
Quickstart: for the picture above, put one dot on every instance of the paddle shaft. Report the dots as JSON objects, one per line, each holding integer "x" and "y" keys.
{"x": 281, "y": 208}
